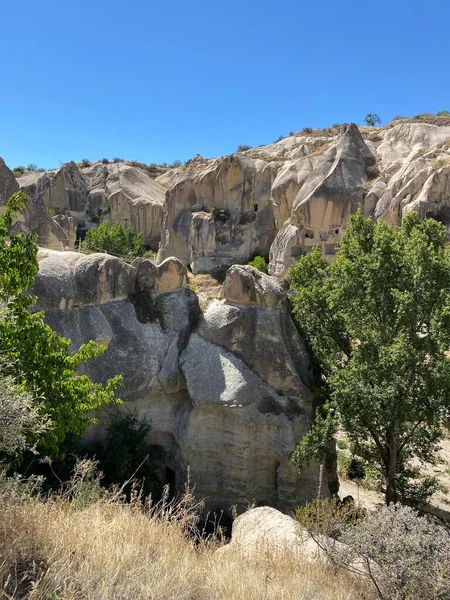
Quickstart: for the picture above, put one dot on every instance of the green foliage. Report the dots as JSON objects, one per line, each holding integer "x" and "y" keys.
{"x": 115, "y": 239}
{"x": 439, "y": 163}
{"x": 220, "y": 214}
{"x": 38, "y": 355}
{"x": 127, "y": 453}
{"x": 85, "y": 163}
{"x": 372, "y": 119}
{"x": 378, "y": 323}
{"x": 307, "y": 130}
{"x": 443, "y": 113}
{"x": 50, "y": 211}
{"x": 341, "y": 444}
{"x": 243, "y": 148}
{"x": 20, "y": 417}
{"x": 259, "y": 262}
{"x": 372, "y": 171}
{"x": 328, "y": 516}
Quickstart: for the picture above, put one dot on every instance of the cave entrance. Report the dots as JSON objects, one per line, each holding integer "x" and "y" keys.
{"x": 170, "y": 481}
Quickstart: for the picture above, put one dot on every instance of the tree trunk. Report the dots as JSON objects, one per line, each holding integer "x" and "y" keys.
{"x": 391, "y": 470}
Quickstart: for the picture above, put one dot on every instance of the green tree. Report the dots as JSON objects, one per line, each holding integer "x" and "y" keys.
{"x": 116, "y": 239}
{"x": 38, "y": 356}
{"x": 378, "y": 323}
{"x": 372, "y": 119}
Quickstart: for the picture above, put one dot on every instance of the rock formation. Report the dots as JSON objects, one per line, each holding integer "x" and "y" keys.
{"x": 227, "y": 391}
{"x": 80, "y": 199}
{"x": 219, "y": 215}
{"x": 277, "y": 200}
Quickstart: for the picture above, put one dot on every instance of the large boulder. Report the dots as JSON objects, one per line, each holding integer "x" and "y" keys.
{"x": 227, "y": 392}
{"x": 8, "y": 183}
{"x": 247, "y": 285}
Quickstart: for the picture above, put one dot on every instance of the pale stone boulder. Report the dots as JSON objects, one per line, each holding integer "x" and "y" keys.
{"x": 246, "y": 285}
{"x": 264, "y": 531}
{"x": 8, "y": 183}
{"x": 172, "y": 274}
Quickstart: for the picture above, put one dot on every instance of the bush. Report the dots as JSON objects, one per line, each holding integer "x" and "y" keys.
{"x": 176, "y": 164}
{"x": 372, "y": 119}
{"x": 105, "y": 161}
{"x": 115, "y": 239}
{"x": 259, "y": 262}
{"x": 220, "y": 214}
{"x": 327, "y": 516}
{"x": 243, "y": 148}
{"x": 85, "y": 163}
{"x": 127, "y": 454}
{"x": 372, "y": 172}
{"x": 406, "y": 556}
{"x": 118, "y": 160}
{"x": 438, "y": 164}
{"x": 443, "y": 113}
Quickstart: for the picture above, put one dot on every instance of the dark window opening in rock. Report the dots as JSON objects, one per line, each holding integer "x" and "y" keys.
{"x": 170, "y": 481}
{"x": 309, "y": 235}
{"x": 80, "y": 234}
{"x": 255, "y": 208}
{"x": 336, "y": 231}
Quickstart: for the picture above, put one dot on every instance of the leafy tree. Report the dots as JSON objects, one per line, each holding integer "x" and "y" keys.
{"x": 372, "y": 119}
{"x": 38, "y": 356}
{"x": 378, "y": 323}
{"x": 116, "y": 239}
{"x": 259, "y": 262}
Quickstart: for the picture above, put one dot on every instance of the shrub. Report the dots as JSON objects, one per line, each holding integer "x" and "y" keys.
{"x": 372, "y": 172}
{"x": 443, "y": 113}
{"x": 243, "y": 148}
{"x": 328, "y": 516}
{"x": 115, "y": 239}
{"x": 220, "y": 214}
{"x": 85, "y": 163}
{"x": 336, "y": 126}
{"x": 279, "y": 138}
{"x": 118, "y": 160}
{"x": 176, "y": 164}
{"x": 375, "y": 137}
{"x": 259, "y": 262}
{"x": 404, "y": 555}
{"x": 422, "y": 116}
{"x": 105, "y": 161}
{"x": 438, "y": 164}
{"x": 127, "y": 453}
{"x": 341, "y": 444}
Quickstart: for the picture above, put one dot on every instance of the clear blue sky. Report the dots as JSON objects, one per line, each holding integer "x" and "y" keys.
{"x": 159, "y": 81}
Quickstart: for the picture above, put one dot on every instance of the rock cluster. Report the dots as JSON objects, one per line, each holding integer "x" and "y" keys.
{"x": 227, "y": 391}
{"x": 278, "y": 200}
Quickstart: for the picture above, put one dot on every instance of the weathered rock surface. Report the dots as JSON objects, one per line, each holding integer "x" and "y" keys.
{"x": 80, "y": 199}
{"x": 227, "y": 392}
{"x": 246, "y": 285}
{"x": 196, "y": 233}
{"x": 52, "y": 233}
{"x": 277, "y": 200}
{"x": 265, "y": 531}
{"x": 120, "y": 192}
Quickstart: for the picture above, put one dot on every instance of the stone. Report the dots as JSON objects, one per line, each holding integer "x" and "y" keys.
{"x": 332, "y": 192}
{"x": 264, "y": 531}
{"x": 219, "y": 214}
{"x": 172, "y": 274}
{"x": 8, "y": 184}
{"x": 227, "y": 392}
{"x": 247, "y": 285}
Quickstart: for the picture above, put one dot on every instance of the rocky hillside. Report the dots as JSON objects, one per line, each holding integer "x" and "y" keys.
{"x": 227, "y": 390}
{"x": 277, "y": 200}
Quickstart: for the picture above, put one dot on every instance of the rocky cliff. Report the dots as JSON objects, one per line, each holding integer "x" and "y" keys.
{"x": 227, "y": 389}
{"x": 277, "y": 200}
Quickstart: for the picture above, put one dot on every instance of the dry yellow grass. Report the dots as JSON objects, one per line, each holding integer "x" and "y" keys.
{"x": 49, "y": 551}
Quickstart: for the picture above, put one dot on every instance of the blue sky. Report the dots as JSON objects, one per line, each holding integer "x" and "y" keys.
{"x": 158, "y": 82}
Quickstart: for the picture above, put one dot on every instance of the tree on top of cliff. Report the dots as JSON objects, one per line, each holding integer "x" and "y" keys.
{"x": 378, "y": 323}
{"x": 38, "y": 357}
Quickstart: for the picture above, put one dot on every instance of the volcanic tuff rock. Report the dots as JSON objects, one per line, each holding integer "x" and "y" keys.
{"x": 277, "y": 200}
{"x": 81, "y": 199}
{"x": 227, "y": 392}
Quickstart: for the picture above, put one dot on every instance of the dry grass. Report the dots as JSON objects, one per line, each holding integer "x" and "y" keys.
{"x": 50, "y": 551}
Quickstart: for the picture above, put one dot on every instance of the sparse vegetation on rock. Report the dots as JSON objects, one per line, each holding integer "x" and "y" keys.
{"x": 116, "y": 239}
